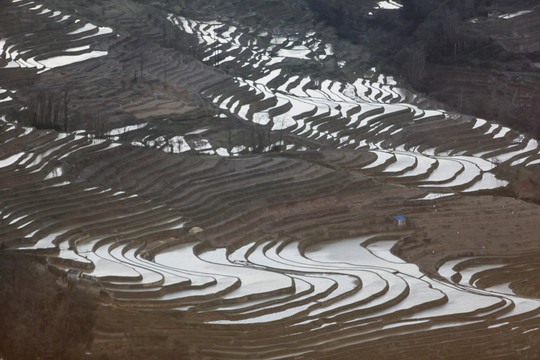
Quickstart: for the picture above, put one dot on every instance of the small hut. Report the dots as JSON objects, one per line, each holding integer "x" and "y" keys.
{"x": 401, "y": 221}
{"x": 74, "y": 275}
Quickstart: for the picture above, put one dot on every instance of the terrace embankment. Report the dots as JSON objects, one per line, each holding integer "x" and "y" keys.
{"x": 176, "y": 247}
{"x": 135, "y": 72}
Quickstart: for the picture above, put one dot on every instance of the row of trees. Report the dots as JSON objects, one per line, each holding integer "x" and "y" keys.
{"x": 48, "y": 109}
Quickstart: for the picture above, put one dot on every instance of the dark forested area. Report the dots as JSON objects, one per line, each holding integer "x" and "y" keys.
{"x": 464, "y": 53}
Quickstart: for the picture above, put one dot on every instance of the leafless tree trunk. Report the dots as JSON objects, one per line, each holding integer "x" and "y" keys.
{"x": 142, "y": 44}
{"x": 230, "y": 141}
{"x": 253, "y": 136}
{"x": 142, "y": 62}
{"x": 66, "y": 101}
{"x": 269, "y": 134}
{"x": 282, "y": 121}
{"x": 165, "y": 75}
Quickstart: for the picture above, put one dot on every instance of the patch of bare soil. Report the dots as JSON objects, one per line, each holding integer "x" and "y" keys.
{"x": 41, "y": 315}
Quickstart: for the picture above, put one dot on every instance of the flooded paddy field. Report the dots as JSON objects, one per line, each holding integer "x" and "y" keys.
{"x": 264, "y": 225}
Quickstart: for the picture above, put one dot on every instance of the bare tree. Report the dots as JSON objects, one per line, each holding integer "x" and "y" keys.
{"x": 142, "y": 45}
{"x": 269, "y": 134}
{"x": 252, "y": 136}
{"x": 66, "y": 101}
{"x": 165, "y": 74}
{"x": 412, "y": 62}
{"x": 229, "y": 137}
{"x": 142, "y": 61}
{"x": 450, "y": 23}
{"x": 281, "y": 121}
{"x": 94, "y": 123}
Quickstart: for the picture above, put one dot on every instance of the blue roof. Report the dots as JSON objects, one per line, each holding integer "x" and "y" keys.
{"x": 400, "y": 217}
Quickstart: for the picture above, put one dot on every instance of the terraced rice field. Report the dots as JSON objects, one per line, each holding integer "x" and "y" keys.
{"x": 22, "y": 53}
{"x": 372, "y": 113}
{"x": 291, "y": 254}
